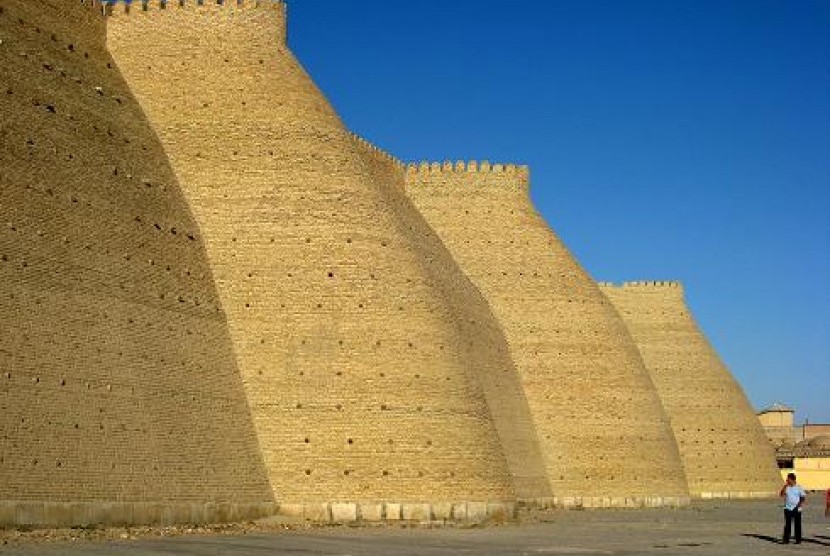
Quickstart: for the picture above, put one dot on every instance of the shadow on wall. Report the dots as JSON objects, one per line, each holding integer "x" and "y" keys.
{"x": 121, "y": 395}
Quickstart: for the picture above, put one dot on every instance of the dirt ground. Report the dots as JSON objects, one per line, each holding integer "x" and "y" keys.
{"x": 712, "y": 528}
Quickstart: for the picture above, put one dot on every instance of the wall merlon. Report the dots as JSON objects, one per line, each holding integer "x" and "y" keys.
{"x": 144, "y": 6}
{"x": 643, "y": 285}
{"x": 469, "y": 167}
{"x": 652, "y": 284}
{"x": 375, "y": 149}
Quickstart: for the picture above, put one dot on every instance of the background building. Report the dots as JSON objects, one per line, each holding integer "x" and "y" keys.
{"x": 800, "y": 449}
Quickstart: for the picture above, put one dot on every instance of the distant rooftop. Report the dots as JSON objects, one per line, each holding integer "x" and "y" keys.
{"x": 777, "y": 408}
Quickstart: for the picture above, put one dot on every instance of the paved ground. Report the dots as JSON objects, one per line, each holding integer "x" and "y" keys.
{"x": 708, "y": 529}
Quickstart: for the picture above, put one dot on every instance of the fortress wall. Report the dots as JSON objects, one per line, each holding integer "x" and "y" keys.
{"x": 723, "y": 447}
{"x": 354, "y": 361}
{"x": 601, "y": 427}
{"x": 119, "y": 393}
{"x": 496, "y": 371}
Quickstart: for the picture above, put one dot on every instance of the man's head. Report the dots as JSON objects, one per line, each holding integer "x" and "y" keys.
{"x": 790, "y": 478}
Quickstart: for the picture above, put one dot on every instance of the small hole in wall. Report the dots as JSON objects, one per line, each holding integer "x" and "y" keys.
{"x": 308, "y": 471}
{"x": 350, "y": 441}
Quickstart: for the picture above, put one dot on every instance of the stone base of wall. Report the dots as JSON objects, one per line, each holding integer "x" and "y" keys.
{"x": 596, "y": 502}
{"x": 421, "y": 512}
{"x": 721, "y": 495}
{"x": 69, "y": 514}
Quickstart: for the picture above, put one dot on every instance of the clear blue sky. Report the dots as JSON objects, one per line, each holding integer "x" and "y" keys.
{"x": 684, "y": 140}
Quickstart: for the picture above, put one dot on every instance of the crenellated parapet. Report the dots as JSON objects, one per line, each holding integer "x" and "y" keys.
{"x": 644, "y": 284}
{"x": 143, "y": 6}
{"x": 157, "y": 17}
{"x": 467, "y": 167}
{"x": 377, "y": 151}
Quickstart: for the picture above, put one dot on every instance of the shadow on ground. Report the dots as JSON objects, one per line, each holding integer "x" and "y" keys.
{"x": 805, "y": 540}
{"x": 767, "y": 538}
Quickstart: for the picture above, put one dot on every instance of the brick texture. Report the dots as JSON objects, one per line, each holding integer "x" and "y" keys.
{"x": 724, "y": 450}
{"x": 357, "y": 340}
{"x": 600, "y": 424}
{"x": 119, "y": 386}
{"x": 216, "y": 299}
{"x": 496, "y": 371}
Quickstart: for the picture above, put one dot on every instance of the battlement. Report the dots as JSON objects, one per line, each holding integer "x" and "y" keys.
{"x": 469, "y": 167}
{"x": 644, "y": 284}
{"x": 251, "y": 24}
{"x": 377, "y": 150}
{"x": 447, "y": 167}
{"x": 113, "y": 8}
{"x": 144, "y": 6}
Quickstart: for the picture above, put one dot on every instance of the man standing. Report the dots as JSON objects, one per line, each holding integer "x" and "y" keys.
{"x": 794, "y": 497}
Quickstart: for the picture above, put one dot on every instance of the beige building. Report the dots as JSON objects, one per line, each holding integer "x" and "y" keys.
{"x": 218, "y": 303}
{"x": 810, "y": 462}
{"x": 800, "y": 449}
{"x": 778, "y": 422}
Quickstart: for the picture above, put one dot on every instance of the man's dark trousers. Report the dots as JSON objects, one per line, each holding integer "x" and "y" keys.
{"x": 792, "y": 517}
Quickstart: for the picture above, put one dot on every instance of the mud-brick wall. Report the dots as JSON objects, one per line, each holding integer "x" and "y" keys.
{"x": 724, "y": 450}
{"x": 120, "y": 399}
{"x": 354, "y": 358}
{"x": 601, "y": 427}
{"x": 496, "y": 371}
